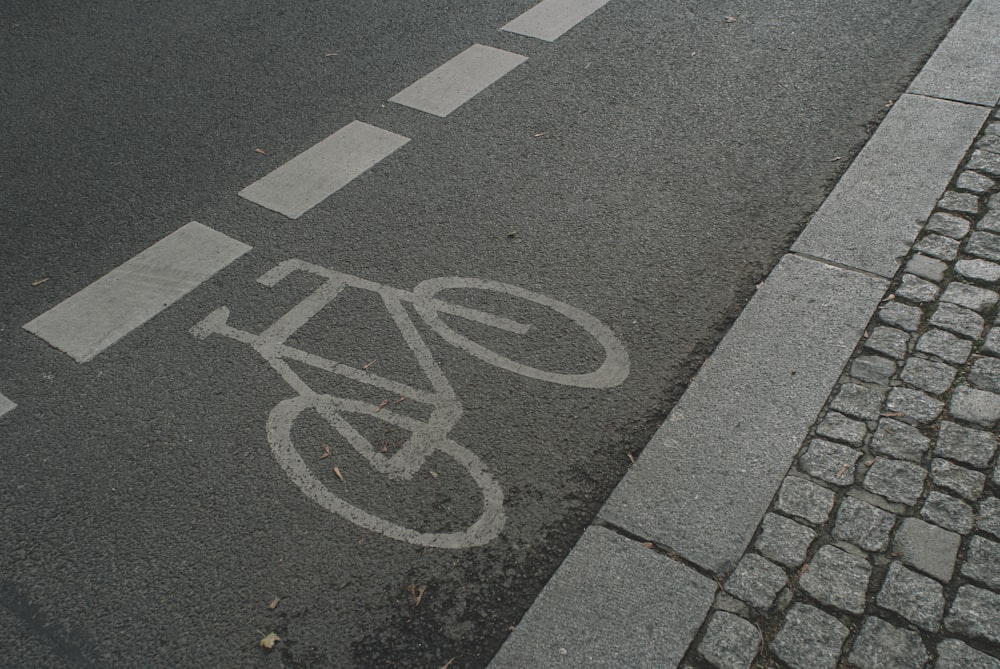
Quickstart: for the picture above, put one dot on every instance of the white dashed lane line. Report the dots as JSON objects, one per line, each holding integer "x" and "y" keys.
{"x": 93, "y": 319}
{"x": 322, "y": 170}
{"x": 453, "y": 84}
{"x": 549, "y": 19}
{"x": 6, "y": 405}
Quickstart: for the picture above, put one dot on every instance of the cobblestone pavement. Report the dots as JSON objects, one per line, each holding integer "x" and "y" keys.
{"x": 881, "y": 549}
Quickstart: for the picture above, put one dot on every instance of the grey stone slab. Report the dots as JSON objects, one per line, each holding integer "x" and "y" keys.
{"x": 953, "y": 654}
{"x": 948, "y": 512}
{"x": 982, "y": 562}
{"x": 988, "y": 518}
{"x": 809, "y": 639}
{"x": 805, "y": 499}
{"x": 975, "y": 406}
{"x": 928, "y": 548}
{"x": 934, "y": 377}
{"x": 958, "y": 320}
{"x": 730, "y": 642}
{"x": 896, "y": 480}
{"x": 926, "y": 267}
{"x": 945, "y": 345}
{"x": 756, "y": 580}
{"x": 914, "y": 289}
{"x": 863, "y": 524}
{"x": 966, "y": 482}
{"x": 744, "y": 417}
{"x": 967, "y": 203}
{"x": 985, "y": 374}
{"x": 873, "y": 214}
{"x": 984, "y": 244}
{"x": 949, "y": 225}
{"x": 979, "y": 270}
{"x": 915, "y": 404}
{"x": 841, "y": 428}
{"x": 917, "y": 598}
{"x": 938, "y": 246}
{"x": 889, "y": 341}
{"x": 838, "y": 579}
{"x": 975, "y": 613}
{"x": 970, "y": 297}
{"x": 857, "y": 401}
{"x": 873, "y": 368}
{"x": 965, "y": 444}
{"x": 899, "y": 440}
{"x": 966, "y": 65}
{"x": 830, "y": 462}
{"x": 881, "y": 645}
{"x": 784, "y": 540}
{"x": 605, "y": 580}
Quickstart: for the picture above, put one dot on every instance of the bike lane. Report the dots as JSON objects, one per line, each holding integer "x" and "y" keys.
{"x": 161, "y": 472}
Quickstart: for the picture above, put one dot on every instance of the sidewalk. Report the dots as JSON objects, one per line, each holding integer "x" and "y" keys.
{"x": 827, "y": 492}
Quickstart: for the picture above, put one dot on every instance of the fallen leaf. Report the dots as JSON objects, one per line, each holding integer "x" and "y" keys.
{"x": 869, "y": 463}
{"x": 39, "y": 282}
{"x": 631, "y": 458}
{"x": 336, "y": 471}
{"x": 326, "y": 452}
{"x": 417, "y": 592}
{"x": 382, "y": 405}
{"x": 401, "y": 398}
{"x": 267, "y": 643}
{"x": 433, "y": 473}
{"x": 447, "y": 664}
{"x": 261, "y": 151}
{"x": 648, "y": 544}
{"x": 803, "y": 570}
{"x": 369, "y": 363}
{"x": 730, "y": 19}
{"x": 843, "y": 470}
{"x": 274, "y": 603}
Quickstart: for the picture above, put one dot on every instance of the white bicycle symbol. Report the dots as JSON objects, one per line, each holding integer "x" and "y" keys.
{"x": 426, "y": 437}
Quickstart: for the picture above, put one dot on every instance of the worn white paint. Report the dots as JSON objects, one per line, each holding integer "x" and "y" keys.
{"x": 6, "y": 406}
{"x": 549, "y": 19}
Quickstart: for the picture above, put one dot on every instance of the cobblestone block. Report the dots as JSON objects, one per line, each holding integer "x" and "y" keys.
{"x": 989, "y": 143}
{"x": 934, "y": 377}
{"x": 953, "y": 654}
{"x": 888, "y": 341}
{"x": 840, "y": 427}
{"x": 730, "y": 642}
{"x": 983, "y": 245}
{"x": 984, "y": 161}
{"x": 938, "y": 246}
{"x": 809, "y": 639}
{"x": 965, "y": 482}
{"x": 857, "y": 401}
{"x": 756, "y": 580}
{"x": 881, "y": 645}
{"x": 949, "y": 225}
{"x": 975, "y": 406}
{"x": 873, "y": 368}
{"x": 985, "y": 374}
{"x": 948, "y": 512}
{"x": 805, "y": 499}
{"x": 969, "y": 296}
{"x": 830, "y": 462}
{"x": 982, "y": 562}
{"x": 896, "y": 480}
{"x": 975, "y": 613}
{"x": 862, "y": 524}
{"x": 928, "y": 548}
{"x": 967, "y": 203}
{"x": 992, "y": 344}
{"x": 783, "y": 540}
{"x": 988, "y": 518}
{"x": 901, "y": 316}
{"x": 959, "y": 320}
{"x": 838, "y": 579}
{"x": 945, "y": 345}
{"x": 914, "y": 403}
{"x": 964, "y": 444}
{"x": 899, "y": 440}
{"x": 914, "y": 289}
{"x": 926, "y": 267}
{"x": 979, "y": 270}
{"x": 974, "y": 181}
{"x": 917, "y": 598}
{"x": 990, "y": 222}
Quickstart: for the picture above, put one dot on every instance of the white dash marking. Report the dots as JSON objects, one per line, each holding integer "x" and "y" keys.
{"x": 549, "y": 19}
{"x": 93, "y": 319}
{"x": 322, "y": 170}
{"x": 6, "y": 406}
{"x": 453, "y": 84}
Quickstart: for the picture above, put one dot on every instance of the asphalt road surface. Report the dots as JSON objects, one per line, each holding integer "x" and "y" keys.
{"x": 195, "y": 484}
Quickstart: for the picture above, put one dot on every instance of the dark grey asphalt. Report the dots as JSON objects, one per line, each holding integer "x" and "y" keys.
{"x": 649, "y": 167}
